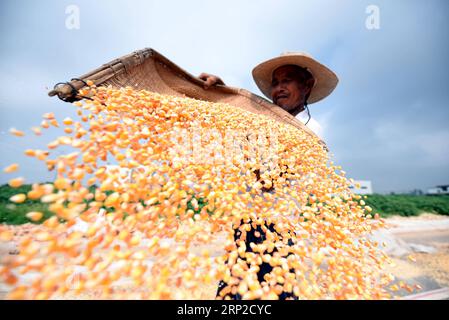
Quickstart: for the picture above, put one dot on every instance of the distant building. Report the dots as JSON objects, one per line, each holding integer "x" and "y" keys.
{"x": 444, "y": 189}
{"x": 365, "y": 187}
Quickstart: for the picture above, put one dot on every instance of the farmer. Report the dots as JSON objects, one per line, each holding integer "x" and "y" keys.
{"x": 291, "y": 81}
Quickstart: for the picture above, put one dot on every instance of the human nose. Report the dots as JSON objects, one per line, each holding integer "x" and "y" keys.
{"x": 282, "y": 85}
{"x": 276, "y": 88}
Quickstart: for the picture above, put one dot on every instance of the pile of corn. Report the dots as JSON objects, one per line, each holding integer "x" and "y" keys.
{"x": 150, "y": 195}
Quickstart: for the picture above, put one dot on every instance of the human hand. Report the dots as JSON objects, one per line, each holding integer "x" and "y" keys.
{"x": 210, "y": 80}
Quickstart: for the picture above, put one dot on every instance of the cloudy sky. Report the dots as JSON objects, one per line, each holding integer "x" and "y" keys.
{"x": 387, "y": 121}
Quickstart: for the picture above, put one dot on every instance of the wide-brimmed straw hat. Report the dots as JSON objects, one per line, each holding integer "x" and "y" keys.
{"x": 325, "y": 79}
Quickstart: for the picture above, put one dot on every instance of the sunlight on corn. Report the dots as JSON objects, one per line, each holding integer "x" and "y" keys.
{"x": 146, "y": 206}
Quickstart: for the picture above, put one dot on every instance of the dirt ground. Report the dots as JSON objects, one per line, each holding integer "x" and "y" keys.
{"x": 426, "y": 237}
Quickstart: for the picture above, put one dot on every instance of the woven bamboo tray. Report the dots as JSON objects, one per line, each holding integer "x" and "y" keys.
{"x": 148, "y": 69}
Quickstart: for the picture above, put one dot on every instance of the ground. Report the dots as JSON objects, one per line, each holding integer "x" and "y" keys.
{"x": 426, "y": 238}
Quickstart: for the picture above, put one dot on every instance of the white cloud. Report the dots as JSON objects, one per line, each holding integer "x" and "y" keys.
{"x": 401, "y": 140}
{"x": 435, "y": 146}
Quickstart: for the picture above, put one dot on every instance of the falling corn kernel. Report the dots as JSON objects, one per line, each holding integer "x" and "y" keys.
{"x": 44, "y": 124}
{"x": 16, "y": 182}
{"x": 16, "y": 132}
{"x": 34, "y": 215}
{"x": 54, "y": 123}
{"x": 11, "y": 168}
{"x": 30, "y": 152}
{"x": 67, "y": 121}
{"x": 48, "y": 115}
{"x": 37, "y": 131}
{"x": 18, "y": 198}
{"x": 61, "y": 183}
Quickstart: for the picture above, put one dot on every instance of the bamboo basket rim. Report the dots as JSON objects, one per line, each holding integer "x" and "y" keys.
{"x": 69, "y": 91}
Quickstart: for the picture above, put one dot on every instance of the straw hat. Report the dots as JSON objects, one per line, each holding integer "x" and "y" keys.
{"x": 325, "y": 79}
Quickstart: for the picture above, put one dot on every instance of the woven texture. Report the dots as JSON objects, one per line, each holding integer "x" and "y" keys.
{"x": 147, "y": 69}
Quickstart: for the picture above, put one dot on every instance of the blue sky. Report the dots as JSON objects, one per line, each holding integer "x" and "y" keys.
{"x": 387, "y": 121}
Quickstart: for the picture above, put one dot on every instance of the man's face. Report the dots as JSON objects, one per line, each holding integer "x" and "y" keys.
{"x": 287, "y": 89}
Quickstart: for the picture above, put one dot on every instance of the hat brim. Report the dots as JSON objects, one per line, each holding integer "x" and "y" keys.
{"x": 325, "y": 79}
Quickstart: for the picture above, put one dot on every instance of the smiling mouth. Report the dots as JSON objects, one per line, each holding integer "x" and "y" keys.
{"x": 281, "y": 97}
